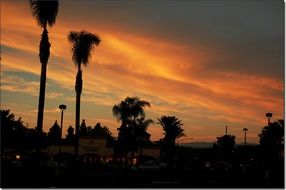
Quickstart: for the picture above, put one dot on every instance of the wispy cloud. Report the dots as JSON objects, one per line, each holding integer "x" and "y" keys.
{"x": 20, "y": 85}
{"x": 195, "y": 82}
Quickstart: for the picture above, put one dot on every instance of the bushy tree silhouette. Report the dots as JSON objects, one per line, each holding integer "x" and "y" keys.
{"x": 45, "y": 12}
{"x": 82, "y": 45}
{"x": 54, "y": 133}
{"x": 70, "y": 135}
{"x": 226, "y": 143}
{"x": 15, "y": 135}
{"x": 12, "y": 131}
{"x": 272, "y": 139}
{"x": 83, "y": 128}
{"x": 128, "y": 111}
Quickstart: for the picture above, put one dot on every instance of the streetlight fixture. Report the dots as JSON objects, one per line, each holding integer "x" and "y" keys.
{"x": 62, "y": 107}
{"x": 268, "y": 115}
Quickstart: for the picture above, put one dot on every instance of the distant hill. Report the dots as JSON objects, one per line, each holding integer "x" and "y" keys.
{"x": 198, "y": 144}
{"x": 208, "y": 144}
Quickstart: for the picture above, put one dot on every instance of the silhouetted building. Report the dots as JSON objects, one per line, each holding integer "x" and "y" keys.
{"x": 93, "y": 146}
{"x": 94, "y": 149}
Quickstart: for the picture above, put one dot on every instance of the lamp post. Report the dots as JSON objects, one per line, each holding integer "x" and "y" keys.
{"x": 268, "y": 115}
{"x": 62, "y": 107}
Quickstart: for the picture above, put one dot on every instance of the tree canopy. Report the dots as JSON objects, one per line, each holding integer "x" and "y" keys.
{"x": 133, "y": 127}
{"x": 172, "y": 127}
{"x": 272, "y": 140}
{"x": 226, "y": 142}
{"x": 45, "y": 12}
{"x": 82, "y": 46}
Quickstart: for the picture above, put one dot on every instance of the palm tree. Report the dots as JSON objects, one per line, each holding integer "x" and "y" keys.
{"x": 141, "y": 132}
{"x": 45, "y": 12}
{"x": 245, "y": 130}
{"x": 82, "y": 45}
{"x": 172, "y": 130}
{"x": 127, "y": 112}
{"x": 122, "y": 113}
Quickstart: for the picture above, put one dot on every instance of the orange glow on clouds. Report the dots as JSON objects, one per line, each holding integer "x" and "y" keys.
{"x": 174, "y": 78}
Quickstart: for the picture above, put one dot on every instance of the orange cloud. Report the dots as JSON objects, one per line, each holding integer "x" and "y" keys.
{"x": 173, "y": 77}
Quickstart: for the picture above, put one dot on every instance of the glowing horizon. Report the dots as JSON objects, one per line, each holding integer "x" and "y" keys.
{"x": 207, "y": 78}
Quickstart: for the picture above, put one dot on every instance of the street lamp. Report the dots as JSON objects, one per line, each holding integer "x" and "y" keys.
{"x": 268, "y": 115}
{"x": 62, "y": 107}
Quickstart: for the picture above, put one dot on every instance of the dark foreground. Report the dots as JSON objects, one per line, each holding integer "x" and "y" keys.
{"x": 195, "y": 175}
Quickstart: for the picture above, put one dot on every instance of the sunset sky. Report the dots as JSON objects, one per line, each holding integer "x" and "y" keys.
{"x": 210, "y": 63}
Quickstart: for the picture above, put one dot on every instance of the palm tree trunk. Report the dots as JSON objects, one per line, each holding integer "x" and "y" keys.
{"x": 78, "y": 89}
{"x": 44, "y": 57}
{"x": 41, "y": 98}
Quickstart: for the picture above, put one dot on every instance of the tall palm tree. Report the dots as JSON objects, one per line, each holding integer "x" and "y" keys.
{"x": 82, "y": 45}
{"x": 45, "y": 12}
{"x": 172, "y": 130}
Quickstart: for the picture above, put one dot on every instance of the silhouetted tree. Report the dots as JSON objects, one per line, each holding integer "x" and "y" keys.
{"x": 127, "y": 112}
{"x": 89, "y": 130}
{"x": 98, "y": 130}
{"x": 141, "y": 133}
{"x": 226, "y": 143}
{"x": 54, "y": 133}
{"x": 15, "y": 135}
{"x": 82, "y": 45}
{"x": 102, "y": 131}
{"x": 70, "y": 135}
{"x": 272, "y": 139}
{"x": 82, "y": 128}
{"x": 172, "y": 130}
{"x": 12, "y": 131}
{"x": 45, "y": 12}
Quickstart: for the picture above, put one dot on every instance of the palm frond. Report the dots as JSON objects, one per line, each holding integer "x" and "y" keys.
{"x": 116, "y": 112}
{"x": 172, "y": 127}
{"x": 82, "y": 46}
{"x": 45, "y": 12}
